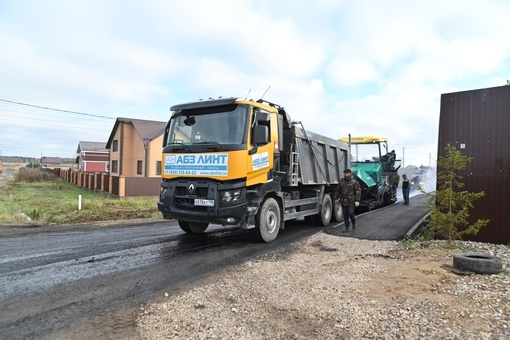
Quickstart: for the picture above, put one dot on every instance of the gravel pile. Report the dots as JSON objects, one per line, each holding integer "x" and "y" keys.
{"x": 341, "y": 288}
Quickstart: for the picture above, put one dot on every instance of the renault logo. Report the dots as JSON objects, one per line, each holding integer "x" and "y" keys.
{"x": 191, "y": 188}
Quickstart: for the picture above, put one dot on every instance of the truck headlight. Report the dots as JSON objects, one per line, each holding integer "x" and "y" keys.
{"x": 162, "y": 191}
{"x": 231, "y": 195}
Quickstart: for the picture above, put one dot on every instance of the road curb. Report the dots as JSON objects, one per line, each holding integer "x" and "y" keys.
{"x": 416, "y": 228}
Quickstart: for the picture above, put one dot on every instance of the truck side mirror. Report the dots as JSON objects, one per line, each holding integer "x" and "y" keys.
{"x": 261, "y": 135}
{"x": 262, "y": 118}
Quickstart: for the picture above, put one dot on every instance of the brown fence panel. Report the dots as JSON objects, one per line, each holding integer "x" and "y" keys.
{"x": 106, "y": 182}
{"x": 92, "y": 181}
{"x": 98, "y": 181}
{"x": 476, "y": 122}
{"x": 142, "y": 186}
{"x": 115, "y": 185}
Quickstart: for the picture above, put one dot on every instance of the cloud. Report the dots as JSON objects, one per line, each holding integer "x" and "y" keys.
{"x": 340, "y": 67}
{"x": 351, "y": 73}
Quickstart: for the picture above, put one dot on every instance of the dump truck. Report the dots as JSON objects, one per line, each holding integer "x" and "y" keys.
{"x": 377, "y": 176}
{"x": 245, "y": 163}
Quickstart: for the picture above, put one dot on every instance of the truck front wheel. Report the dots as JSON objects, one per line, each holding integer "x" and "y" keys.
{"x": 267, "y": 222}
{"x": 193, "y": 227}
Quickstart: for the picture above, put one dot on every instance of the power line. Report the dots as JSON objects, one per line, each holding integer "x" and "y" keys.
{"x": 17, "y": 121}
{"x": 53, "y": 109}
{"x": 37, "y": 112}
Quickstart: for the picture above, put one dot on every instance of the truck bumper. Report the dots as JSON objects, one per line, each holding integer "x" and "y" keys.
{"x": 225, "y": 216}
{"x": 177, "y": 202}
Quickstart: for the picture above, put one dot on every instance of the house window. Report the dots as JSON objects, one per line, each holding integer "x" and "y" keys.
{"x": 115, "y": 145}
{"x": 158, "y": 168}
{"x": 139, "y": 167}
{"x": 115, "y": 165}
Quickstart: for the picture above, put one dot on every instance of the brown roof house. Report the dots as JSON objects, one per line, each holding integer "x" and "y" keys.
{"x": 135, "y": 156}
{"x": 92, "y": 157}
{"x": 50, "y": 162}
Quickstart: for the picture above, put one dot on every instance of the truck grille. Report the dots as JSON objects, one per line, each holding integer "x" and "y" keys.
{"x": 185, "y": 200}
{"x": 199, "y": 192}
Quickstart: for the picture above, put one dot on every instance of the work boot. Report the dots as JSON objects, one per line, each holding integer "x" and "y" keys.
{"x": 353, "y": 227}
{"x": 346, "y": 230}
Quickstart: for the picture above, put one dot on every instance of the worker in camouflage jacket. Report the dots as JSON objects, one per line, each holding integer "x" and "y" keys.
{"x": 348, "y": 194}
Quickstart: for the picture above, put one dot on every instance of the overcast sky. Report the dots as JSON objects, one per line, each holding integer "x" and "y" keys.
{"x": 364, "y": 67}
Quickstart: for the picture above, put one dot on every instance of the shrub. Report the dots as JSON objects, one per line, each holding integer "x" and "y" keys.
{"x": 33, "y": 175}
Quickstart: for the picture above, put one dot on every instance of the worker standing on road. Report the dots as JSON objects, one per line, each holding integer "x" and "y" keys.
{"x": 405, "y": 189}
{"x": 348, "y": 194}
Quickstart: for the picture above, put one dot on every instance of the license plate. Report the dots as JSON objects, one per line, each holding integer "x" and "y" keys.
{"x": 204, "y": 203}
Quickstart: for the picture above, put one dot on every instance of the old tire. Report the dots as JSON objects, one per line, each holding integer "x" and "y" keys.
{"x": 478, "y": 263}
{"x": 324, "y": 216}
{"x": 193, "y": 227}
{"x": 267, "y": 222}
{"x": 337, "y": 215}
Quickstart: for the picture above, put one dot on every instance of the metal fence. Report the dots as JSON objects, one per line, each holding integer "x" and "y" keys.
{"x": 118, "y": 186}
{"x": 476, "y": 122}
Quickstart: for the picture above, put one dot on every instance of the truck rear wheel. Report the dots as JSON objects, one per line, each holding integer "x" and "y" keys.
{"x": 193, "y": 227}
{"x": 324, "y": 216}
{"x": 267, "y": 222}
{"x": 337, "y": 215}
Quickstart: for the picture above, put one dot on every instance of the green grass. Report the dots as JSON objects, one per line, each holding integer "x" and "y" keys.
{"x": 56, "y": 201}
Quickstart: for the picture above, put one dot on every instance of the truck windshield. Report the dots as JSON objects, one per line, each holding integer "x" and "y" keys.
{"x": 215, "y": 125}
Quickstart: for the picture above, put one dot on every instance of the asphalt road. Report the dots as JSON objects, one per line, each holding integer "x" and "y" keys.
{"x": 88, "y": 281}
{"x": 394, "y": 222}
